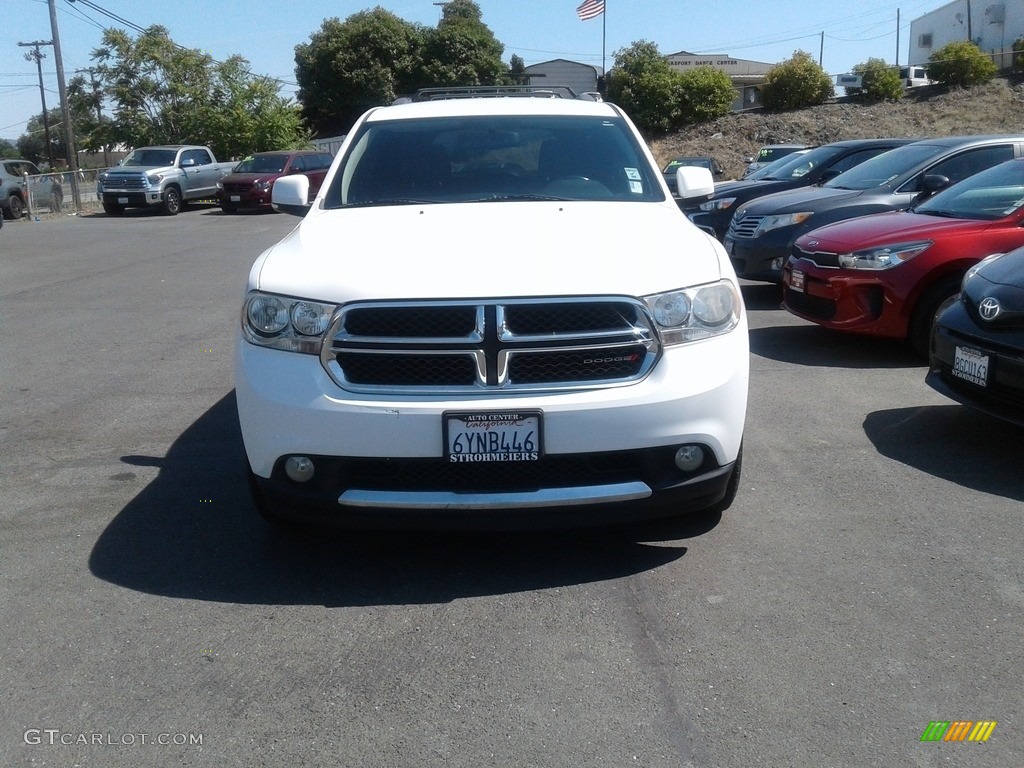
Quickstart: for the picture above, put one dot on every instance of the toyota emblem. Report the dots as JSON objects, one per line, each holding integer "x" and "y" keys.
{"x": 989, "y": 309}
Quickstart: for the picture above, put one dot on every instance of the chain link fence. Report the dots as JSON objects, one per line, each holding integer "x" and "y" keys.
{"x": 54, "y": 193}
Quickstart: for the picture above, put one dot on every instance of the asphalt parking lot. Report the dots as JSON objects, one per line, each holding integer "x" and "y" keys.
{"x": 866, "y": 583}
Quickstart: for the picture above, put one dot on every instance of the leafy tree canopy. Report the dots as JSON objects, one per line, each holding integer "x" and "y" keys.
{"x": 165, "y": 94}
{"x": 961, "y": 64}
{"x": 879, "y": 81}
{"x": 797, "y": 82}
{"x": 643, "y": 84}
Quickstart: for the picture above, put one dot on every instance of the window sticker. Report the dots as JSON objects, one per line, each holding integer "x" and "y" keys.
{"x": 636, "y": 187}
{"x": 633, "y": 174}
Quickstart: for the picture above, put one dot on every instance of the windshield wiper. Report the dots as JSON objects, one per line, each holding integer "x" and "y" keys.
{"x": 942, "y": 214}
{"x": 391, "y": 201}
{"x": 504, "y": 198}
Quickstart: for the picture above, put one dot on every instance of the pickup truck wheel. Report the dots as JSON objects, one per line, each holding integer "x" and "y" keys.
{"x": 16, "y": 207}
{"x": 172, "y": 204}
{"x": 112, "y": 209}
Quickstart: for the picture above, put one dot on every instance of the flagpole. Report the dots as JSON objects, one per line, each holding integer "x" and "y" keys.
{"x": 604, "y": 27}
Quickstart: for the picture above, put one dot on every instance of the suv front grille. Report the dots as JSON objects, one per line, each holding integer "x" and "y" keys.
{"x": 521, "y": 344}
{"x": 744, "y": 227}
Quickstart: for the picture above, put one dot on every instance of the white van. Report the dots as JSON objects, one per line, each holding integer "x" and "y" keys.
{"x": 914, "y": 76}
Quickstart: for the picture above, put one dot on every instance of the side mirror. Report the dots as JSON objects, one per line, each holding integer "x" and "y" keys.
{"x": 291, "y": 195}
{"x": 828, "y": 175}
{"x": 693, "y": 181}
{"x": 933, "y": 182}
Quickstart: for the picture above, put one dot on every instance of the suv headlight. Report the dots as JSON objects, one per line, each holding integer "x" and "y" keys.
{"x": 283, "y": 322}
{"x": 721, "y": 204}
{"x": 769, "y": 223}
{"x": 700, "y": 312}
{"x": 883, "y": 256}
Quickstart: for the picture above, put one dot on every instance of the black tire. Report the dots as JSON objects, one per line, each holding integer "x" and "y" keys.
{"x": 172, "y": 204}
{"x": 112, "y": 209}
{"x": 919, "y": 333}
{"x": 16, "y": 207}
{"x": 229, "y": 207}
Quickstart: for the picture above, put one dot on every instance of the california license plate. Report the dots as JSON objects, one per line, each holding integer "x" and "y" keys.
{"x": 971, "y": 365}
{"x": 492, "y": 436}
{"x": 236, "y": 198}
{"x": 122, "y": 201}
{"x": 796, "y": 281}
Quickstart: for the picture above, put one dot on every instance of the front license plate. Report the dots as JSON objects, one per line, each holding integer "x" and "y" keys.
{"x": 796, "y": 281}
{"x": 236, "y": 198}
{"x": 492, "y": 437}
{"x": 971, "y": 365}
{"x": 122, "y": 201}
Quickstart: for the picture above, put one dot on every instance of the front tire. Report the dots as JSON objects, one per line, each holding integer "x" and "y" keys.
{"x": 172, "y": 204}
{"x": 919, "y": 333}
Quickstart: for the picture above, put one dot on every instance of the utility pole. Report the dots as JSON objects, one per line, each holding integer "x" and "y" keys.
{"x": 37, "y": 56}
{"x": 99, "y": 113}
{"x": 65, "y": 111}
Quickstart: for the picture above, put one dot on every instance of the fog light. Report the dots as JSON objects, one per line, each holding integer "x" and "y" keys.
{"x": 689, "y": 457}
{"x": 299, "y": 468}
{"x": 777, "y": 264}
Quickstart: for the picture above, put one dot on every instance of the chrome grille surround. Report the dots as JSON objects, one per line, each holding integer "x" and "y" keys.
{"x": 822, "y": 259}
{"x": 511, "y": 345}
{"x": 744, "y": 227}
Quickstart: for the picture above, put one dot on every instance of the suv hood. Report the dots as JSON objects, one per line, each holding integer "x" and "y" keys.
{"x": 467, "y": 250}
{"x": 884, "y": 228}
{"x": 802, "y": 199}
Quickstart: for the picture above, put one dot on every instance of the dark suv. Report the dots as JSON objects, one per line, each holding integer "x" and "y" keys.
{"x": 762, "y": 231}
{"x": 804, "y": 170}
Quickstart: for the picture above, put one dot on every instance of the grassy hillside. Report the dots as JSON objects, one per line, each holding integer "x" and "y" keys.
{"x": 997, "y": 107}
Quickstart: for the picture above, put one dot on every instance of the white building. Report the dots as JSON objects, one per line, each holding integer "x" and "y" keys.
{"x": 992, "y": 26}
{"x": 747, "y": 76}
{"x": 581, "y": 78}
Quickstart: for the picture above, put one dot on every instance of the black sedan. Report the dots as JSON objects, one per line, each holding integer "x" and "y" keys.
{"x": 977, "y": 346}
{"x": 798, "y": 170}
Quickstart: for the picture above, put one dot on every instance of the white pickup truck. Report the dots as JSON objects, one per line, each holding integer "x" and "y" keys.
{"x": 493, "y": 314}
{"x": 168, "y": 177}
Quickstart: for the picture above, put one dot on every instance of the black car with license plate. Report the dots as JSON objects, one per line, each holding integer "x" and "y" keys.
{"x": 977, "y": 345}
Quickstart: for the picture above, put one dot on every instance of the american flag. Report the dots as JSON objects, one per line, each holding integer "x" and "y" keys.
{"x": 590, "y": 9}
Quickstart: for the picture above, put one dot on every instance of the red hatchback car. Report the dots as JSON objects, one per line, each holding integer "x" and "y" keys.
{"x": 250, "y": 183}
{"x": 887, "y": 274}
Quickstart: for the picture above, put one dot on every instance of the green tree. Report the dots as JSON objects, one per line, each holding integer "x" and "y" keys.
{"x": 462, "y": 50}
{"x": 961, "y": 64}
{"x": 517, "y": 70}
{"x": 1018, "y": 54}
{"x": 879, "y": 82}
{"x": 705, "y": 93}
{"x": 32, "y": 143}
{"x": 797, "y": 82}
{"x": 643, "y": 84}
{"x": 347, "y": 67}
{"x": 7, "y": 149}
{"x": 165, "y": 94}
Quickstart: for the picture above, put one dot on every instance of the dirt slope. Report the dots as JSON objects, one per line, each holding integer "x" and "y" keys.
{"x": 997, "y": 107}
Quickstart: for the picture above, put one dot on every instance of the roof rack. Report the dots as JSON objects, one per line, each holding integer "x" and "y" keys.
{"x": 494, "y": 91}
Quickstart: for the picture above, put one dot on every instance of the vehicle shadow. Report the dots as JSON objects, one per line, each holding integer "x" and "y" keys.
{"x": 812, "y": 345}
{"x": 954, "y": 443}
{"x": 761, "y": 296}
{"x": 193, "y": 533}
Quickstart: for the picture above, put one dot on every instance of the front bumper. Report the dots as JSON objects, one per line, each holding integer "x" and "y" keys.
{"x": 841, "y": 300}
{"x": 1002, "y": 393}
{"x": 134, "y": 199}
{"x": 760, "y": 258}
{"x": 607, "y": 452}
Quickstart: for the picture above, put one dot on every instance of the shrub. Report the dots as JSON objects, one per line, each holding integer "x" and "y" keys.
{"x": 961, "y": 64}
{"x": 879, "y": 82}
{"x": 797, "y": 82}
{"x": 705, "y": 93}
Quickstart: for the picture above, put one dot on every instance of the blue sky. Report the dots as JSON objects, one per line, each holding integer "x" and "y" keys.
{"x": 266, "y": 33}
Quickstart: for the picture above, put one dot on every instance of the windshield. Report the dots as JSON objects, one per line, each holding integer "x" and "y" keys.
{"x": 798, "y": 166}
{"x": 991, "y": 194}
{"x": 767, "y": 171}
{"x": 151, "y": 158}
{"x": 520, "y": 157}
{"x": 884, "y": 168}
{"x": 262, "y": 164}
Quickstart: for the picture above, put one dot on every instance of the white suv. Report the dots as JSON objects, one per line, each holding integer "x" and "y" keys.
{"x": 493, "y": 314}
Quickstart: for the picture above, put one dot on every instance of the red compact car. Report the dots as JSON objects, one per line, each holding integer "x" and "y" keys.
{"x": 887, "y": 274}
{"x": 250, "y": 183}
